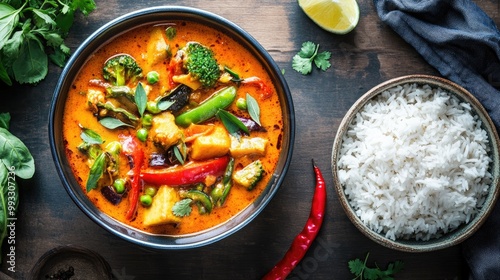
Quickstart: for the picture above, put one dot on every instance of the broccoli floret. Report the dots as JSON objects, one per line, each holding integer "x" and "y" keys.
{"x": 250, "y": 175}
{"x": 200, "y": 62}
{"x": 121, "y": 70}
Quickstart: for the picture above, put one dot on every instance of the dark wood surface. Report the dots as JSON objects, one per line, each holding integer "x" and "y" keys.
{"x": 371, "y": 54}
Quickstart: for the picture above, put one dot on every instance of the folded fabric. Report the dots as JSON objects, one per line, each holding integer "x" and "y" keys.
{"x": 463, "y": 43}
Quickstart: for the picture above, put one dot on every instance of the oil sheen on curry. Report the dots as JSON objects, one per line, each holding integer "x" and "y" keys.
{"x": 172, "y": 128}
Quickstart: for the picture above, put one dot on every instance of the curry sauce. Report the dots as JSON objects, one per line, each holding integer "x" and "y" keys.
{"x": 143, "y": 44}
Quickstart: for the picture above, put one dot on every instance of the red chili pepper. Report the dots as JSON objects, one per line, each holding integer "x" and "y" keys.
{"x": 256, "y": 81}
{"x": 191, "y": 173}
{"x": 305, "y": 238}
{"x": 131, "y": 148}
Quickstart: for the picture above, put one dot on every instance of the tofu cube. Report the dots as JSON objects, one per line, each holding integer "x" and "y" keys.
{"x": 214, "y": 144}
{"x": 248, "y": 146}
{"x": 160, "y": 211}
{"x": 164, "y": 131}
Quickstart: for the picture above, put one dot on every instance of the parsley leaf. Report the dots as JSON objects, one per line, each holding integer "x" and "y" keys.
{"x": 362, "y": 271}
{"x": 31, "y": 32}
{"x": 182, "y": 207}
{"x": 303, "y": 61}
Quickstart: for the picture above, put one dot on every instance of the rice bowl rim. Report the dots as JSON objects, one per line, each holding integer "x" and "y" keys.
{"x": 465, "y": 230}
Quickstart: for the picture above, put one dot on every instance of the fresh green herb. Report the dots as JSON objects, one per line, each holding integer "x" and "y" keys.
{"x": 141, "y": 98}
{"x": 308, "y": 54}
{"x": 165, "y": 104}
{"x": 112, "y": 123}
{"x": 182, "y": 207}
{"x": 362, "y": 271}
{"x": 170, "y": 32}
{"x": 253, "y": 108}
{"x": 96, "y": 172}
{"x": 234, "y": 76}
{"x": 90, "y": 137}
{"x": 31, "y": 33}
{"x": 17, "y": 161}
{"x": 231, "y": 122}
{"x": 4, "y": 120}
{"x": 181, "y": 152}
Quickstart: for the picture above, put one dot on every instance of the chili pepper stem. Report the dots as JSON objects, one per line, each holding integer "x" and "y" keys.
{"x": 305, "y": 238}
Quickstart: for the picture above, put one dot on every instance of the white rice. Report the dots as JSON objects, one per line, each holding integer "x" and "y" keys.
{"x": 414, "y": 163}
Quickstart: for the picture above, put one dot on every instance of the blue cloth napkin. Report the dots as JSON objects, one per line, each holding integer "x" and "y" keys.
{"x": 462, "y": 42}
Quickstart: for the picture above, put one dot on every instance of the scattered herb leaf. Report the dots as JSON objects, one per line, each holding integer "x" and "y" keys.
{"x": 181, "y": 153}
{"x": 15, "y": 158}
{"x": 112, "y": 123}
{"x": 165, "y": 104}
{"x": 171, "y": 32}
{"x": 140, "y": 98}
{"x": 302, "y": 62}
{"x": 231, "y": 123}
{"x": 182, "y": 207}
{"x": 362, "y": 271}
{"x": 90, "y": 137}
{"x": 96, "y": 172}
{"x": 253, "y": 108}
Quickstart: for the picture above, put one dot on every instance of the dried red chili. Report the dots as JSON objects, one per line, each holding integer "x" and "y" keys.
{"x": 305, "y": 238}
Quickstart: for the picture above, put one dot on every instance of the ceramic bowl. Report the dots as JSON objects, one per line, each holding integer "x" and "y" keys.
{"x": 150, "y": 16}
{"x": 465, "y": 230}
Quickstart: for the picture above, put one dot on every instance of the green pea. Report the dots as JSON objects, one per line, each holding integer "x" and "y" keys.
{"x": 146, "y": 200}
{"x": 142, "y": 134}
{"x": 119, "y": 185}
{"x": 150, "y": 191}
{"x": 153, "y": 77}
{"x": 152, "y": 107}
{"x": 147, "y": 120}
{"x": 241, "y": 103}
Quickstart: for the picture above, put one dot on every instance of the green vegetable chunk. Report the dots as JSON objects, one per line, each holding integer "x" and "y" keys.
{"x": 250, "y": 175}
{"x": 206, "y": 110}
{"x": 201, "y": 64}
{"x": 121, "y": 70}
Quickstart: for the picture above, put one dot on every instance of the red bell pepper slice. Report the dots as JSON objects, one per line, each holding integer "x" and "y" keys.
{"x": 132, "y": 149}
{"x": 191, "y": 173}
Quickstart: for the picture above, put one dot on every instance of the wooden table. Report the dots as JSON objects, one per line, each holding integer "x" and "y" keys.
{"x": 372, "y": 53}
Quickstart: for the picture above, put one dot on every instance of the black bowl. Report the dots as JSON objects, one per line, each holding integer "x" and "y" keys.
{"x": 117, "y": 27}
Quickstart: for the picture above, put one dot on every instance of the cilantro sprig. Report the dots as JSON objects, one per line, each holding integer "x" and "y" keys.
{"x": 31, "y": 33}
{"x": 362, "y": 271}
{"x": 303, "y": 61}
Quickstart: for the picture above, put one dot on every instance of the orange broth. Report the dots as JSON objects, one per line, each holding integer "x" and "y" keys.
{"x": 134, "y": 42}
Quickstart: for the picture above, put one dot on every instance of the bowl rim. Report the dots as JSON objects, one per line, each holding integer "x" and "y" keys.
{"x": 152, "y": 15}
{"x": 465, "y": 230}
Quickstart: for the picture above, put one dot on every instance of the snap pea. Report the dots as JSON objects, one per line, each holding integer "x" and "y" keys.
{"x": 206, "y": 110}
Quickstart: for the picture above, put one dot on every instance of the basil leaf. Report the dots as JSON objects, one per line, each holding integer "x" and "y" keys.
{"x": 96, "y": 172}
{"x": 4, "y": 120}
{"x": 9, "y": 17}
{"x": 4, "y": 178}
{"x": 231, "y": 122}
{"x": 112, "y": 123}
{"x": 180, "y": 155}
{"x": 253, "y": 108}
{"x": 31, "y": 66}
{"x": 90, "y": 137}
{"x": 14, "y": 154}
{"x": 165, "y": 104}
{"x": 140, "y": 99}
